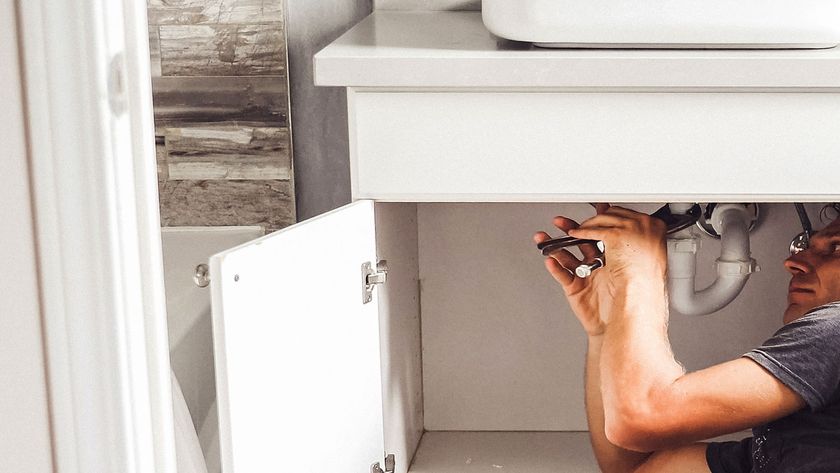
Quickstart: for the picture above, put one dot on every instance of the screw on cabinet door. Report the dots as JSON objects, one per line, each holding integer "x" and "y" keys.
{"x": 375, "y": 468}
{"x": 202, "y": 275}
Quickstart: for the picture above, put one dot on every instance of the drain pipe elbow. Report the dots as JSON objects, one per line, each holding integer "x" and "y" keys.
{"x": 734, "y": 265}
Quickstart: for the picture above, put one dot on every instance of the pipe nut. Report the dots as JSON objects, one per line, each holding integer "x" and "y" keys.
{"x": 683, "y": 245}
{"x": 737, "y": 268}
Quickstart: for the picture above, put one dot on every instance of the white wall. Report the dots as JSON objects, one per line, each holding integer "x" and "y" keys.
{"x": 514, "y": 360}
{"x": 24, "y": 430}
{"x": 427, "y": 4}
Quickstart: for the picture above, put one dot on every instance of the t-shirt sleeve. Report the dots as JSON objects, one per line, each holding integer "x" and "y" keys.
{"x": 730, "y": 457}
{"x": 805, "y": 355}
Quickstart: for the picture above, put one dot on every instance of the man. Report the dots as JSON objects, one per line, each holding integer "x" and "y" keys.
{"x": 646, "y": 414}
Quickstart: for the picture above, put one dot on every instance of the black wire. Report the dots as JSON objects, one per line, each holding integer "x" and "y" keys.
{"x": 803, "y": 219}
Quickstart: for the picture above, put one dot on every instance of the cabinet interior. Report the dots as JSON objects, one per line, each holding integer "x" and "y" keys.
{"x": 482, "y": 359}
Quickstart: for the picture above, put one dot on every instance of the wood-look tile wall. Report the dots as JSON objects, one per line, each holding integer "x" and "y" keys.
{"x": 220, "y": 87}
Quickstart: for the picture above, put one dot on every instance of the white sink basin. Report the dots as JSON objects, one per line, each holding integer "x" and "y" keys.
{"x": 753, "y": 24}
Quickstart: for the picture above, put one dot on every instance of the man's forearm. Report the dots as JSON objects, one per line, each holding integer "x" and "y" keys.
{"x": 611, "y": 459}
{"x": 637, "y": 365}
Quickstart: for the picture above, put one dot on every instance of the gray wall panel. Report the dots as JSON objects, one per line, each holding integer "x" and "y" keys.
{"x": 319, "y": 114}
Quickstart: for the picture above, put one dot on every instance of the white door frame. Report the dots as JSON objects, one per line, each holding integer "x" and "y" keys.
{"x": 92, "y": 167}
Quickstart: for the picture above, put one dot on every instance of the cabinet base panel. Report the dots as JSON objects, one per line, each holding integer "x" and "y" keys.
{"x": 498, "y": 452}
{"x": 521, "y": 452}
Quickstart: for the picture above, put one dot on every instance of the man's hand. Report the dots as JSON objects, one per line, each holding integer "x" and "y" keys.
{"x": 588, "y": 297}
{"x": 634, "y": 245}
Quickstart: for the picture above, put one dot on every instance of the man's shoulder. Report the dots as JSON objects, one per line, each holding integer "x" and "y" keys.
{"x": 826, "y": 314}
{"x": 828, "y": 308}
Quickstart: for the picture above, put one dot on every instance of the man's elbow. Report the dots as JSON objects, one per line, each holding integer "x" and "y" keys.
{"x": 635, "y": 429}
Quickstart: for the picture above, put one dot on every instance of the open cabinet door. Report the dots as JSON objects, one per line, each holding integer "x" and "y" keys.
{"x": 297, "y": 351}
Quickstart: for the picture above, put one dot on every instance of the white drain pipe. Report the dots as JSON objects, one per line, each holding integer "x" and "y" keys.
{"x": 734, "y": 266}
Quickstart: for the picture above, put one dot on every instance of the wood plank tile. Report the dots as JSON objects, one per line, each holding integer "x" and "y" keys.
{"x": 160, "y": 155}
{"x": 222, "y": 50}
{"x": 154, "y": 50}
{"x": 180, "y": 100}
{"x": 228, "y": 152}
{"x": 208, "y": 203}
{"x": 194, "y": 12}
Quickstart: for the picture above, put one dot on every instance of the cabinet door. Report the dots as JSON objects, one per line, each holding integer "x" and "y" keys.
{"x": 297, "y": 352}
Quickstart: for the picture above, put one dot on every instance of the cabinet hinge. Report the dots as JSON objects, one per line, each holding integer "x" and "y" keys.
{"x": 390, "y": 464}
{"x": 371, "y": 278}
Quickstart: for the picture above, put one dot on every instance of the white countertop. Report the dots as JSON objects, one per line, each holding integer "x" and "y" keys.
{"x": 453, "y": 50}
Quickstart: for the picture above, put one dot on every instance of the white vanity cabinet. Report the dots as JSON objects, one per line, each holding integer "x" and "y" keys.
{"x": 465, "y": 357}
{"x": 466, "y": 343}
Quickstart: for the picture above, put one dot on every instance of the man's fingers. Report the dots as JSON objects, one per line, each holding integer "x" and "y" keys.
{"x": 589, "y": 250}
{"x": 606, "y": 220}
{"x": 565, "y": 223}
{"x": 553, "y": 262}
{"x": 622, "y": 211}
{"x": 559, "y": 273}
{"x": 540, "y": 237}
{"x": 563, "y": 256}
{"x": 566, "y": 259}
{"x": 594, "y": 233}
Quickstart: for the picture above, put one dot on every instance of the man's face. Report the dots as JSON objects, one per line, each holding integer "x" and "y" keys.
{"x": 816, "y": 273}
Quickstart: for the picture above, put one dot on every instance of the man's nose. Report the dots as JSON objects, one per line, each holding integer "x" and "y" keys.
{"x": 798, "y": 263}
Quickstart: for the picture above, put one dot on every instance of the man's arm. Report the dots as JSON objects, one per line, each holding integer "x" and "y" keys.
{"x": 688, "y": 459}
{"x": 649, "y": 402}
{"x": 653, "y": 404}
{"x": 588, "y": 301}
{"x": 611, "y": 459}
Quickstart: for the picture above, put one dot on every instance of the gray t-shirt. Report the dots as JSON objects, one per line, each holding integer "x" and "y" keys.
{"x": 805, "y": 356}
